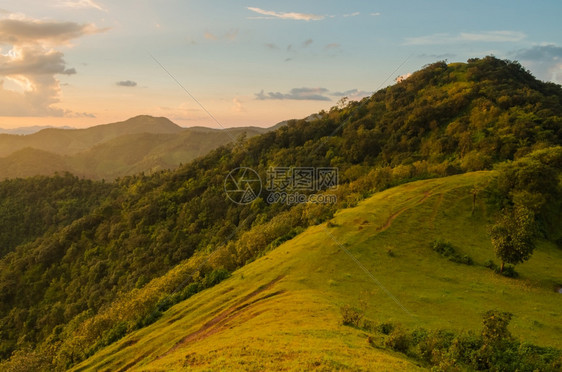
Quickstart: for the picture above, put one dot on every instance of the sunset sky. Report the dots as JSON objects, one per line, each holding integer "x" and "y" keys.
{"x": 85, "y": 62}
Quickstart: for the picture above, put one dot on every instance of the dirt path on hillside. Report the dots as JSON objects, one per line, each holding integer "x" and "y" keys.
{"x": 218, "y": 323}
{"x": 388, "y": 222}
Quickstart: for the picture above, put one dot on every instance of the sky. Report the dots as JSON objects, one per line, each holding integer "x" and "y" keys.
{"x": 231, "y": 63}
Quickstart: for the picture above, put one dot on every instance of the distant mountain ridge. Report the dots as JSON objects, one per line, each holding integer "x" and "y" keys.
{"x": 22, "y": 131}
{"x": 140, "y": 144}
{"x": 71, "y": 141}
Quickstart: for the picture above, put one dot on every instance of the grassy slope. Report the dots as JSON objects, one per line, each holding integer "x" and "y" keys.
{"x": 282, "y": 311}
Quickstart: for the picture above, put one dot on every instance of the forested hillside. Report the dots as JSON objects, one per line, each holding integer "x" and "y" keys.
{"x": 443, "y": 120}
{"x": 31, "y": 207}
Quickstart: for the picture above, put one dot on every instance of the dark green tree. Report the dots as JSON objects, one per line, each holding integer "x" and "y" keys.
{"x": 513, "y": 235}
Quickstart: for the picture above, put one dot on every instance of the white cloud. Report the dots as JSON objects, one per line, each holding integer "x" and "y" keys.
{"x": 82, "y": 4}
{"x": 354, "y": 14}
{"x": 237, "y": 105}
{"x": 441, "y": 56}
{"x": 283, "y": 15}
{"x": 297, "y": 94}
{"x": 17, "y": 31}
{"x": 484, "y": 36}
{"x": 352, "y": 94}
{"x": 493, "y": 36}
{"x": 31, "y": 63}
{"x": 311, "y": 94}
{"x": 376, "y": 14}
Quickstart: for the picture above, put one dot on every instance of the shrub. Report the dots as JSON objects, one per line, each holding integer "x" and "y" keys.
{"x": 215, "y": 277}
{"x": 398, "y": 340}
{"x": 368, "y": 325}
{"x": 490, "y": 265}
{"x": 351, "y": 316}
{"x": 114, "y": 334}
{"x": 148, "y": 319}
{"x": 385, "y": 328}
{"x": 493, "y": 349}
{"x": 447, "y": 250}
{"x": 433, "y": 344}
{"x": 443, "y": 248}
{"x": 466, "y": 260}
{"x": 509, "y": 271}
{"x": 418, "y": 335}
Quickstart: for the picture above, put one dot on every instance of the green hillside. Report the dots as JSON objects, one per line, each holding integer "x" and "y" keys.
{"x": 144, "y": 152}
{"x": 30, "y": 162}
{"x": 153, "y": 240}
{"x": 32, "y": 207}
{"x": 283, "y": 310}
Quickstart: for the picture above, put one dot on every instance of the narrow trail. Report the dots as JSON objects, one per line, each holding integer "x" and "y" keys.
{"x": 218, "y": 322}
{"x": 390, "y": 219}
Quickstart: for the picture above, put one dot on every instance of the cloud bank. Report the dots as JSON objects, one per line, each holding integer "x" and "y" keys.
{"x": 298, "y": 94}
{"x": 82, "y": 4}
{"x": 31, "y": 64}
{"x": 484, "y": 36}
{"x": 268, "y": 14}
{"x": 311, "y": 94}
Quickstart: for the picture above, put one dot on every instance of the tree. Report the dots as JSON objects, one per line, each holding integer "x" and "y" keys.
{"x": 496, "y": 340}
{"x": 513, "y": 235}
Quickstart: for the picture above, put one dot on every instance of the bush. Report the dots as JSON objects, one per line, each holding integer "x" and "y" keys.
{"x": 385, "y": 328}
{"x": 418, "y": 335}
{"x": 493, "y": 349}
{"x": 114, "y": 334}
{"x": 443, "y": 248}
{"x": 368, "y": 325}
{"x": 433, "y": 343}
{"x": 148, "y": 319}
{"x": 447, "y": 250}
{"x": 215, "y": 277}
{"x": 398, "y": 340}
{"x": 466, "y": 260}
{"x": 351, "y": 316}
{"x": 490, "y": 265}
{"x": 509, "y": 271}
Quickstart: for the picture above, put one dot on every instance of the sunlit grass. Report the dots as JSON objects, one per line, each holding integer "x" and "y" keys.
{"x": 282, "y": 311}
